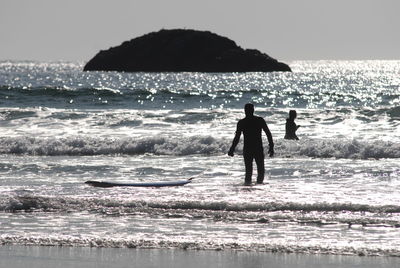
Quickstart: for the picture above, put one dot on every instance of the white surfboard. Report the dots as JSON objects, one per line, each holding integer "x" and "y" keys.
{"x": 107, "y": 184}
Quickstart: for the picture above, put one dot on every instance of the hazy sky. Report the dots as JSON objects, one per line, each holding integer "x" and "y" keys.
{"x": 284, "y": 29}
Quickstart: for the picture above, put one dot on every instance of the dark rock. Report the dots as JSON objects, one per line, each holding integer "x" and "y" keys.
{"x": 183, "y": 51}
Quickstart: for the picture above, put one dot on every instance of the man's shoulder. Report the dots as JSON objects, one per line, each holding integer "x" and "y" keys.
{"x": 241, "y": 122}
{"x": 260, "y": 119}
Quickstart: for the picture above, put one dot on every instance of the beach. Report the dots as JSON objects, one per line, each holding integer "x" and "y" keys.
{"x": 60, "y": 257}
{"x": 329, "y": 199}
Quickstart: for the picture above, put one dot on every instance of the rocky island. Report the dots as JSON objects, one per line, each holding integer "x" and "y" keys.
{"x": 182, "y": 50}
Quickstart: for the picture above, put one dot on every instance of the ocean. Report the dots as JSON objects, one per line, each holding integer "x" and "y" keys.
{"x": 334, "y": 191}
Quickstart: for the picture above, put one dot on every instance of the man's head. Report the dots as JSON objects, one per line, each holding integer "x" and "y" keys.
{"x": 249, "y": 109}
{"x": 292, "y": 114}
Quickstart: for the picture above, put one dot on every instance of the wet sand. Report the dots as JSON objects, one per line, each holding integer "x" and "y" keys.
{"x": 43, "y": 257}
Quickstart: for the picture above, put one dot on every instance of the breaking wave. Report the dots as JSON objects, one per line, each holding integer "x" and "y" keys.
{"x": 43, "y": 203}
{"x": 106, "y": 242}
{"x": 340, "y": 148}
{"x": 98, "y": 146}
{"x": 207, "y": 145}
{"x": 265, "y": 213}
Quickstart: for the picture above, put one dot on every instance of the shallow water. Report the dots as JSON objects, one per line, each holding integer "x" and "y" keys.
{"x": 334, "y": 191}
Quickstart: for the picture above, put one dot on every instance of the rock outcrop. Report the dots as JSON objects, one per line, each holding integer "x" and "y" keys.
{"x": 182, "y": 50}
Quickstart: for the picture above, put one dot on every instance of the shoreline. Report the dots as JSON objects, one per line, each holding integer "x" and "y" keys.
{"x": 14, "y": 256}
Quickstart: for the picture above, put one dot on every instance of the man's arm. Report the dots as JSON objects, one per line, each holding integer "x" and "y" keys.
{"x": 270, "y": 140}
{"x": 235, "y": 140}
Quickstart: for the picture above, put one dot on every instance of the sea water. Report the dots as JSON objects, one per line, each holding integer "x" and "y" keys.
{"x": 334, "y": 191}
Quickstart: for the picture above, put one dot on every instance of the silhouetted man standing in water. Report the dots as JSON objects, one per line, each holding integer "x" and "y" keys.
{"x": 252, "y": 126}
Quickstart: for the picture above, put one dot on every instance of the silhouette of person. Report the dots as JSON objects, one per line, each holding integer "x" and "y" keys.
{"x": 252, "y": 127}
{"x": 291, "y": 126}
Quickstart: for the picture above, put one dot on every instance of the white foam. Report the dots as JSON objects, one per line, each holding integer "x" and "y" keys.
{"x": 43, "y": 203}
{"x": 162, "y": 145}
{"x": 186, "y": 244}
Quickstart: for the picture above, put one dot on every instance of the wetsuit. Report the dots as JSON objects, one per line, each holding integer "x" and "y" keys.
{"x": 252, "y": 127}
{"x": 291, "y": 128}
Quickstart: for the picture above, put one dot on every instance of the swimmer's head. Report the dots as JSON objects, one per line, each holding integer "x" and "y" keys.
{"x": 249, "y": 109}
{"x": 292, "y": 114}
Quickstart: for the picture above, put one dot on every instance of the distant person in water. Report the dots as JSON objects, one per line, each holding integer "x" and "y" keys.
{"x": 252, "y": 127}
{"x": 291, "y": 126}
